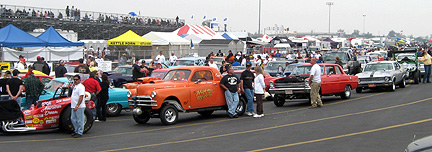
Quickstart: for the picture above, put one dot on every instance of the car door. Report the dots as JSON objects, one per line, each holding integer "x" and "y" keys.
{"x": 329, "y": 80}
{"x": 399, "y": 72}
{"x": 203, "y": 88}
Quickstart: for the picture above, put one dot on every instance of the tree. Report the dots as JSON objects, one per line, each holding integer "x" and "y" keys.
{"x": 356, "y": 33}
{"x": 392, "y": 34}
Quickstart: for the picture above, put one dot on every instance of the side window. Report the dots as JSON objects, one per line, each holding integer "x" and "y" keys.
{"x": 202, "y": 75}
{"x": 46, "y": 80}
{"x": 338, "y": 70}
{"x": 330, "y": 70}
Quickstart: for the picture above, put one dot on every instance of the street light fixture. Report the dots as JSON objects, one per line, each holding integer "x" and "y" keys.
{"x": 364, "y": 24}
{"x": 259, "y": 17}
{"x": 329, "y": 4}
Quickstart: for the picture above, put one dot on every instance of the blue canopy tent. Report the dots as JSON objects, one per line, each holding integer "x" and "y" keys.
{"x": 53, "y": 38}
{"x": 11, "y": 36}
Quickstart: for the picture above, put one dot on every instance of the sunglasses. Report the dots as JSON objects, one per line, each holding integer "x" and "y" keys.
{"x": 76, "y": 79}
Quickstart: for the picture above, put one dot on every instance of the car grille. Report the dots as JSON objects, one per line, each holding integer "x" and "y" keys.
{"x": 289, "y": 85}
{"x": 142, "y": 101}
{"x": 371, "y": 79}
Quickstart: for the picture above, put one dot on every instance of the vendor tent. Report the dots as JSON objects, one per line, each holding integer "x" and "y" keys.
{"x": 195, "y": 39}
{"x": 229, "y": 36}
{"x": 53, "y": 38}
{"x": 165, "y": 38}
{"x": 203, "y": 32}
{"x": 129, "y": 38}
{"x": 11, "y": 36}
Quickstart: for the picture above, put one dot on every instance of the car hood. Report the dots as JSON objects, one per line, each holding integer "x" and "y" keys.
{"x": 380, "y": 73}
{"x": 146, "y": 89}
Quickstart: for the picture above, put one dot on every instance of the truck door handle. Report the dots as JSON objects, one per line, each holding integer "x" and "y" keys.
{"x": 214, "y": 83}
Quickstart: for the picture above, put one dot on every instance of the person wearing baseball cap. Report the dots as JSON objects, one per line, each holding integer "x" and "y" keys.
{"x": 246, "y": 80}
{"x": 60, "y": 70}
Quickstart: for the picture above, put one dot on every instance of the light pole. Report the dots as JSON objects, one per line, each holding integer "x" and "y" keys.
{"x": 259, "y": 17}
{"x": 329, "y": 4}
{"x": 364, "y": 24}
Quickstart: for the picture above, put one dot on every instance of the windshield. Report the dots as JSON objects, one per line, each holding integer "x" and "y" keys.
{"x": 177, "y": 75}
{"x": 53, "y": 85}
{"x": 274, "y": 65}
{"x": 218, "y": 59}
{"x": 158, "y": 74}
{"x": 374, "y": 58}
{"x": 406, "y": 57}
{"x": 185, "y": 62}
{"x": 332, "y": 56}
{"x": 290, "y": 68}
{"x": 376, "y": 67}
{"x": 124, "y": 70}
{"x": 300, "y": 70}
{"x": 280, "y": 59}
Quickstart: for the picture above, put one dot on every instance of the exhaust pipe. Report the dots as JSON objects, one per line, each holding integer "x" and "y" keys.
{"x": 15, "y": 127}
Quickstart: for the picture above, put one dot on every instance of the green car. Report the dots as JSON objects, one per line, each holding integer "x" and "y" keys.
{"x": 407, "y": 58}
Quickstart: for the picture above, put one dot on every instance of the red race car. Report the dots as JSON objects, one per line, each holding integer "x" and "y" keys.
{"x": 46, "y": 114}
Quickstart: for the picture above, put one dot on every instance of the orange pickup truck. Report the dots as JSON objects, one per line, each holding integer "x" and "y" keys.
{"x": 184, "y": 89}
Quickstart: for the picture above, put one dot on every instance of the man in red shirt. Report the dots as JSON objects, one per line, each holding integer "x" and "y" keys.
{"x": 93, "y": 87}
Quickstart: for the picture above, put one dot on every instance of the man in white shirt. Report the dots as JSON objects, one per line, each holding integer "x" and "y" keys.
{"x": 289, "y": 56}
{"x": 212, "y": 64}
{"x": 78, "y": 106}
{"x": 315, "y": 83}
{"x": 160, "y": 58}
{"x": 172, "y": 59}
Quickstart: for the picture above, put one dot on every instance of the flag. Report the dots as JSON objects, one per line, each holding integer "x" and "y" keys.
{"x": 192, "y": 45}
{"x": 225, "y": 19}
{"x": 205, "y": 16}
{"x": 192, "y": 16}
{"x": 214, "y": 19}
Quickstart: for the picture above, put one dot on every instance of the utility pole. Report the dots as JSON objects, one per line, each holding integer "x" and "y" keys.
{"x": 329, "y": 4}
{"x": 259, "y": 17}
{"x": 364, "y": 24}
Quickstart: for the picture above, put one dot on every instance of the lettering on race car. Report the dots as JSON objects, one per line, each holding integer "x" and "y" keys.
{"x": 47, "y": 118}
{"x": 28, "y": 117}
{"x": 38, "y": 116}
{"x": 46, "y": 103}
{"x": 56, "y": 117}
{"x": 36, "y": 120}
{"x": 51, "y": 112}
{"x": 51, "y": 108}
{"x": 50, "y": 121}
{"x": 29, "y": 125}
{"x": 201, "y": 94}
{"x": 29, "y": 121}
{"x": 26, "y": 111}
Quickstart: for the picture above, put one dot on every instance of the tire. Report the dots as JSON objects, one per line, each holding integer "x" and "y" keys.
{"x": 393, "y": 86}
{"x": 417, "y": 77}
{"x": 206, "y": 113}
{"x": 168, "y": 115}
{"x": 241, "y": 107}
{"x": 278, "y": 100}
{"x": 359, "y": 90}
{"x": 143, "y": 118}
{"x": 66, "y": 122}
{"x": 403, "y": 83}
{"x": 347, "y": 92}
{"x": 114, "y": 109}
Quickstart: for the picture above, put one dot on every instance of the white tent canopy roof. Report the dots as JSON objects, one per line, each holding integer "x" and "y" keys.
{"x": 165, "y": 38}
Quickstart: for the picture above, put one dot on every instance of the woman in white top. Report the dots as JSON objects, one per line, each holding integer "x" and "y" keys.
{"x": 259, "y": 87}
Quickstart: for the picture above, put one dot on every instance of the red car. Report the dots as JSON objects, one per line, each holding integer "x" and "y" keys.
{"x": 46, "y": 114}
{"x": 334, "y": 81}
{"x": 267, "y": 77}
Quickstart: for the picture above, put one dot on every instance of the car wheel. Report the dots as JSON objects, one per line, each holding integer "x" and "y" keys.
{"x": 206, "y": 113}
{"x": 169, "y": 115}
{"x": 278, "y": 100}
{"x": 113, "y": 109}
{"x": 347, "y": 92}
{"x": 359, "y": 90}
{"x": 66, "y": 122}
{"x": 403, "y": 83}
{"x": 417, "y": 77}
{"x": 142, "y": 118}
{"x": 393, "y": 86}
{"x": 241, "y": 107}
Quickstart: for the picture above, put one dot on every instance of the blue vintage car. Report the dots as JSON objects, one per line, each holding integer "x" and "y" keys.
{"x": 117, "y": 96}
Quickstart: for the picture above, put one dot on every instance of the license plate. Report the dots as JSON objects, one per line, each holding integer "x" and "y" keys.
{"x": 288, "y": 92}
{"x": 372, "y": 85}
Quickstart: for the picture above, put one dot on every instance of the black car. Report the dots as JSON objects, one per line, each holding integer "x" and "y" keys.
{"x": 121, "y": 75}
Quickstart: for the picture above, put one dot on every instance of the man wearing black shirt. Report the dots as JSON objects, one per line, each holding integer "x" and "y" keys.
{"x": 230, "y": 84}
{"x": 14, "y": 87}
{"x": 137, "y": 71}
{"x": 60, "y": 71}
{"x": 247, "y": 78}
{"x": 223, "y": 68}
{"x": 220, "y": 54}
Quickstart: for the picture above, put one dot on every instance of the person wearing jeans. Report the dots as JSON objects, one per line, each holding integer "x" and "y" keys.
{"x": 247, "y": 78}
{"x": 230, "y": 84}
{"x": 78, "y": 106}
{"x": 426, "y": 59}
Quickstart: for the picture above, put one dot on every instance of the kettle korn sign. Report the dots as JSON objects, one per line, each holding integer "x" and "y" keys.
{"x": 130, "y": 43}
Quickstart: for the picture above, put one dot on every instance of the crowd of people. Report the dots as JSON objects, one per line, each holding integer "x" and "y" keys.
{"x": 74, "y": 14}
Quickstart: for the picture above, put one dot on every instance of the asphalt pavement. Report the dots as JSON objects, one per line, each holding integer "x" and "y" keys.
{"x": 371, "y": 121}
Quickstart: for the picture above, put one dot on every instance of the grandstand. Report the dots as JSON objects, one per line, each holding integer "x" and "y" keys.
{"x": 88, "y": 25}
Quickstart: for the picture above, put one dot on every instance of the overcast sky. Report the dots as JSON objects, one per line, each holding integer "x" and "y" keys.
{"x": 299, "y": 15}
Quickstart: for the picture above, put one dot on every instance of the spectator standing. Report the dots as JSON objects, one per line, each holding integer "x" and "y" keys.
{"x": 101, "y": 109}
{"x": 220, "y": 54}
{"x": 230, "y": 83}
{"x": 247, "y": 78}
{"x": 230, "y": 54}
{"x": 46, "y": 69}
{"x": 338, "y": 61}
{"x": 259, "y": 91}
{"x": 78, "y": 106}
{"x": 143, "y": 66}
{"x": 14, "y": 87}
{"x": 93, "y": 87}
{"x": 39, "y": 65}
{"x": 315, "y": 83}
{"x": 33, "y": 87}
{"x": 278, "y": 54}
{"x": 426, "y": 59}
{"x": 172, "y": 59}
{"x": 223, "y": 68}
{"x": 60, "y": 70}
{"x": 151, "y": 67}
{"x": 137, "y": 71}
{"x": 67, "y": 11}
{"x": 212, "y": 63}
{"x": 160, "y": 58}
{"x": 82, "y": 68}
{"x": 259, "y": 61}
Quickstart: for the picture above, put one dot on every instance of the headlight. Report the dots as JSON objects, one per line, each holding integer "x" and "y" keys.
{"x": 129, "y": 94}
{"x": 271, "y": 84}
{"x": 307, "y": 83}
{"x": 153, "y": 94}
